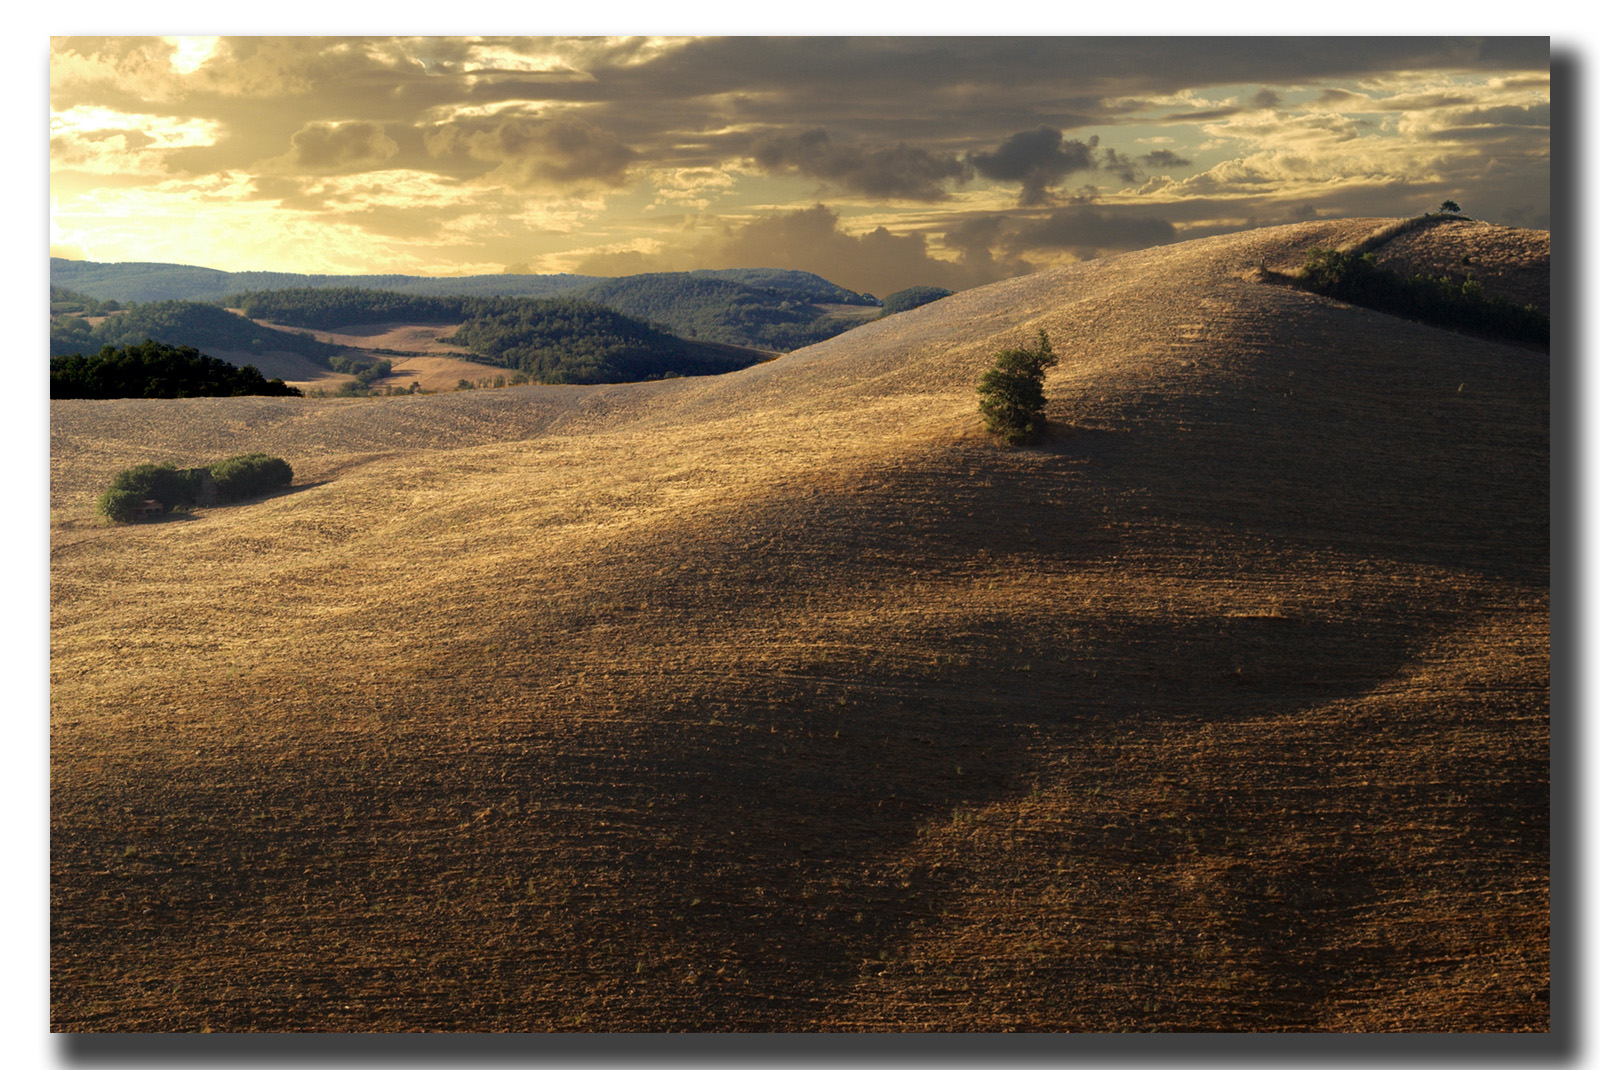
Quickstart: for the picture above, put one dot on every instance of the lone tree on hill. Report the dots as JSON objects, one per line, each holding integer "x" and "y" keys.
{"x": 1011, "y": 392}
{"x": 1450, "y": 206}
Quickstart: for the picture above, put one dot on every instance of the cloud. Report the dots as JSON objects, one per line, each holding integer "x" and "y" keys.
{"x": 900, "y": 172}
{"x": 1163, "y": 158}
{"x": 1342, "y": 98}
{"x": 352, "y": 146}
{"x": 1088, "y": 231}
{"x": 545, "y": 150}
{"x": 533, "y": 151}
{"x": 810, "y": 239}
{"x": 1203, "y": 116}
{"x": 979, "y": 238}
{"x": 1038, "y": 159}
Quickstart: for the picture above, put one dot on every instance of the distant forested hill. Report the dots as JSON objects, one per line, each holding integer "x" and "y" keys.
{"x": 791, "y": 284}
{"x": 719, "y": 310}
{"x": 333, "y": 308}
{"x": 565, "y": 340}
{"x": 554, "y": 340}
{"x": 763, "y": 308}
{"x": 697, "y": 305}
{"x": 180, "y": 323}
{"x": 181, "y": 282}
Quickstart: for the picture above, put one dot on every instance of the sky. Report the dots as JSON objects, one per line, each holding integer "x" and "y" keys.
{"x": 878, "y": 163}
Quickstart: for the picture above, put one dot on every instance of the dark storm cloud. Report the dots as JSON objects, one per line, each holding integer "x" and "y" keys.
{"x": 1163, "y": 158}
{"x": 1117, "y": 165}
{"x": 899, "y": 172}
{"x": 1040, "y": 159}
{"x": 1037, "y": 159}
{"x": 863, "y": 78}
{"x": 1204, "y": 116}
{"x": 1537, "y": 116}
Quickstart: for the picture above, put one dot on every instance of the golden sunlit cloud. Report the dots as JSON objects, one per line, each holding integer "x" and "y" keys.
{"x": 880, "y": 162}
{"x": 188, "y": 53}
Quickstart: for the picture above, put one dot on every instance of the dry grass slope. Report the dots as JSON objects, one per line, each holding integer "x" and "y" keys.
{"x": 785, "y": 701}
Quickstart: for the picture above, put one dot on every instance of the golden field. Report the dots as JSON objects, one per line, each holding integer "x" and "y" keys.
{"x": 785, "y": 700}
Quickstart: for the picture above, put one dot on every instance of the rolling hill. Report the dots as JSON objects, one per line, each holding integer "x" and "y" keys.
{"x": 133, "y": 281}
{"x": 763, "y": 308}
{"x": 785, "y": 700}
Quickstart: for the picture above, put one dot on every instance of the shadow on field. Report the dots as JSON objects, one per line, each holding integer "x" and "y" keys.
{"x": 704, "y": 810}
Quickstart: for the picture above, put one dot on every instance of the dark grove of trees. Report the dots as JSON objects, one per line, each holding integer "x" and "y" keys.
{"x": 1460, "y": 305}
{"x": 911, "y": 297}
{"x": 248, "y": 475}
{"x": 154, "y": 370}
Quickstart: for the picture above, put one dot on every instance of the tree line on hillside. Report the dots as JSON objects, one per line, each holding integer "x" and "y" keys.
{"x": 153, "y": 370}
{"x": 65, "y": 302}
{"x": 333, "y": 308}
{"x": 1456, "y": 304}
{"x": 913, "y": 297}
{"x": 188, "y": 323}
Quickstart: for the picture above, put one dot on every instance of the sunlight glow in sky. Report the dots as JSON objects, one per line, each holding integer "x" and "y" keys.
{"x": 879, "y": 163}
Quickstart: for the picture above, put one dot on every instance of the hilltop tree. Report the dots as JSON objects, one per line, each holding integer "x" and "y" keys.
{"x": 1011, "y": 392}
{"x": 1450, "y": 206}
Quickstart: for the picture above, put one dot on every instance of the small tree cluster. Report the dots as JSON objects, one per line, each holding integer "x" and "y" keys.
{"x": 147, "y": 482}
{"x": 1011, "y": 392}
{"x": 249, "y": 475}
{"x": 237, "y": 478}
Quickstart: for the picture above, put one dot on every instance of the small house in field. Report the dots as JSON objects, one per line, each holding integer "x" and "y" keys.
{"x": 149, "y": 508}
